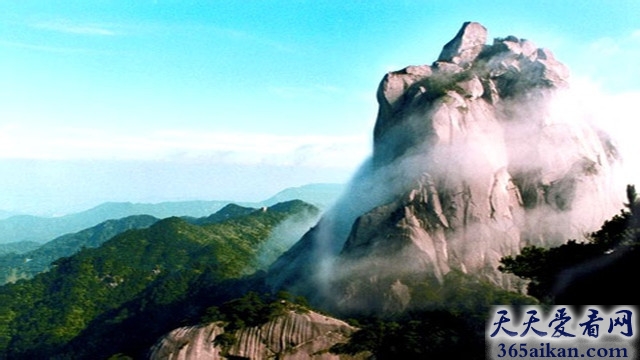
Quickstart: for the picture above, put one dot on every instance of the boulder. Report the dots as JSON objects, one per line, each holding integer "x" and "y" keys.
{"x": 292, "y": 336}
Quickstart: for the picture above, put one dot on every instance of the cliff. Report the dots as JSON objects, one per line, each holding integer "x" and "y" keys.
{"x": 475, "y": 156}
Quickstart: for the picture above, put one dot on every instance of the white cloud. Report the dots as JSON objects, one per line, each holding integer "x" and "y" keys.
{"x": 614, "y": 112}
{"x": 238, "y": 35}
{"x": 21, "y": 142}
{"x": 45, "y": 48}
{"x": 70, "y": 27}
{"x": 606, "y": 47}
{"x": 612, "y": 62}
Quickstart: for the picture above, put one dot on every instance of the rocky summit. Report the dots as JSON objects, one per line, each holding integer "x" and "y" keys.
{"x": 475, "y": 156}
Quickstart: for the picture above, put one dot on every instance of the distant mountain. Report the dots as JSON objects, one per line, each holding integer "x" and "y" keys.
{"x": 18, "y": 247}
{"x": 40, "y": 229}
{"x": 320, "y": 195}
{"x": 226, "y": 213}
{"x": 23, "y": 260}
{"x": 6, "y": 214}
{"x": 100, "y": 301}
{"x": 27, "y": 264}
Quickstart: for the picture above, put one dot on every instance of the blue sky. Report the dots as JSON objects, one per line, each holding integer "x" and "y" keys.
{"x": 117, "y": 100}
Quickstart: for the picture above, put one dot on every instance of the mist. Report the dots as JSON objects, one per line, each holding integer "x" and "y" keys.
{"x": 284, "y": 235}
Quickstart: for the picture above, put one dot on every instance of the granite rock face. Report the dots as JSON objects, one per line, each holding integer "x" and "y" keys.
{"x": 293, "y": 336}
{"x": 465, "y": 47}
{"x": 475, "y": 156}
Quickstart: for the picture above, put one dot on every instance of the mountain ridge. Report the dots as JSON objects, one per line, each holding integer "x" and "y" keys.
{"x": 26, "y": 265}
{"x": 40, "y": 229}
{"x": 97, "y": 294}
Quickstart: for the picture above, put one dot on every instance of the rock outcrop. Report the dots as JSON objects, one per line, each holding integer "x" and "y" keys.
{"x": 465, "y": 47}
{"x": 293, "y": 336}
{"x": 474, "y": 157}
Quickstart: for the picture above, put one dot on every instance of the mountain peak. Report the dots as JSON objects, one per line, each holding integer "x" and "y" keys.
{"x": 292, "y": 206}
{"x": 229, "y": 211}
{"x": 474, "y": 157}
{"x": 467, "y": 70}
{"x": 466, "y": 45}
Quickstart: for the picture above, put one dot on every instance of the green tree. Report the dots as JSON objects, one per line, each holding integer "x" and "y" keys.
{"x": 612, "y": 250}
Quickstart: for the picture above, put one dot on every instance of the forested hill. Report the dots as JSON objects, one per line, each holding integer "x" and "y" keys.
{"x": 14, "y": 266}
{"x": 19, "y": 247}
{"x": 97, "y": 292}
{"x": 41, "y": 229}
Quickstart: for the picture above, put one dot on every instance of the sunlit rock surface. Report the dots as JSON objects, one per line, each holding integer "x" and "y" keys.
{"x": 475, "y": 156}
{"x": 293, "y": 336}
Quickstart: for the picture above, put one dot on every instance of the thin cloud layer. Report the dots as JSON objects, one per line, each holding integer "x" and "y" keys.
{"x": 19, "y": 142}
{"x": 72, "y": 27}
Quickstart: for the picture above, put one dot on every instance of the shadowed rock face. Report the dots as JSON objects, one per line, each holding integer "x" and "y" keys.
{"x": 474, "y": 157}
{"x": 465, "y": 47}
{"x": 288, "y": 337}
